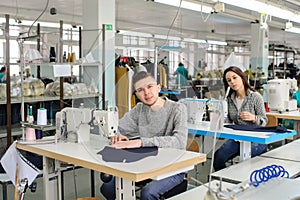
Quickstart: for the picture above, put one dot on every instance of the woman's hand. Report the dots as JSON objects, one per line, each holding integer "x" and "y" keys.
{"x": 127, "y": 144}
{"x": 247, "y": 116}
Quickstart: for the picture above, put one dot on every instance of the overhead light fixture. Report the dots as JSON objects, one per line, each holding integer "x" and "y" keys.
{"x": 137, "y": 34}
{"x": 187, "y": 5}
{"x": 165, "y": 37}
{"x": 290, "y": 28}
{"x": 293, "y": 30}
{"x": 267, "y": 8}
{"x": 194, "y": 40}
{"x": 221, "y": 43}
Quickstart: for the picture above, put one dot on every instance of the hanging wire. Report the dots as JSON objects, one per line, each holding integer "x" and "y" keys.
{"x": 173, "y": 21}
{"x": 203, "y": 18}
{"x": 47, "y": 3}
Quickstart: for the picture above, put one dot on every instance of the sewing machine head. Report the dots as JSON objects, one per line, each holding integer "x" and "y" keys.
{"x": 196, "y": 108}
{"x": 74, "y": 124}
{"x": 278, "y": 94}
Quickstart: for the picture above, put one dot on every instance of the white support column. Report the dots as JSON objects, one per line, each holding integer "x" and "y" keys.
{"x": 259, "y": 48}
{"x": 96, "y": 13}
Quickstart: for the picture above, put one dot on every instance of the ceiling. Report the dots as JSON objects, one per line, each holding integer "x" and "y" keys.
{"x": 146, "y": 16}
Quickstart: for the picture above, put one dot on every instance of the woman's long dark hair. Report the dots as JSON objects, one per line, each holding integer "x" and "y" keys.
{"x": 240, "y": 73}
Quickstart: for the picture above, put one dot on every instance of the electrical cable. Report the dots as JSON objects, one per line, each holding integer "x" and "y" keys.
{"x": 94, "y": 42}
{"x": 203, "y": 18}
{"x": 173, "y": 21}
{"x": 214, "y": 146}
{"x": 266, "y": 173}
{"x": 47, "y": 3}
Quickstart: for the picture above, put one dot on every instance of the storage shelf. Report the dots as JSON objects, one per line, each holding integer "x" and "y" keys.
{"x": 47, "y": 98}
{"x": 64, "y": 63}
{"x": 48, "y": 127}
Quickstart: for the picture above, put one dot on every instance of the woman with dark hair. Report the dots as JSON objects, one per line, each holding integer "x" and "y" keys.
{"x": 245, "y": 107}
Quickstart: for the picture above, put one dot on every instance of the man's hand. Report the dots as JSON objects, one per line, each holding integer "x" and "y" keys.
{"x": 118, "y": 138}
{"x": 127, "y": 144}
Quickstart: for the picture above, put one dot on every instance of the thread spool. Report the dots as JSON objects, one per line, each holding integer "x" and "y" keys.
{"x": 38, "y": 134}
{"x": 30, "y": 118}
{"x": 69, "y": 57}
{"x": 42, "y": 116}
{"x": 52, "y": 54}
{"x": 30, "y": 134}
{"x": 73, "y": 57}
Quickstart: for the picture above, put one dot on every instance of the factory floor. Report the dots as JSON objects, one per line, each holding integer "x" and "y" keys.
{"x": 82, "y": 179}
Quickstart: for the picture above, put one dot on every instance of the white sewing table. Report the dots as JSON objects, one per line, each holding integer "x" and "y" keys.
{"x": 294, "y": 115}
{"x": 166, "y": 163}
{"x": 275, "y": 189}
{"x": 245, "y": 137}
{"x": 286, "y": 152}
{"x": 200, "y": 191}
{"x": 240, "y": 172}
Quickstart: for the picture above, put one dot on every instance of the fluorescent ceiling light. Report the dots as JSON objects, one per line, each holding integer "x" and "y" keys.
{"x": 290, "y": 28}
{"x": 293, "y": 30}
{"x": 194, "y": 40}
{"x": 217, "y": 42}
{"x": 187, "y": 5}
{"x": 133, "y": 33}
{"x": 165, "y": 37}
{"x": 269, "y": 9}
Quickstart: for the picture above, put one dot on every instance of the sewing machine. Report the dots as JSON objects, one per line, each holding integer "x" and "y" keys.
{"x": 278, "y": 94}
{"x": 198, "y": 108}
{"x": 74, "y": 124}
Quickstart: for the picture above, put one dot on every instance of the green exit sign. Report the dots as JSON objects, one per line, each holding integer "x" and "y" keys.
{"x": 108, "y": 27}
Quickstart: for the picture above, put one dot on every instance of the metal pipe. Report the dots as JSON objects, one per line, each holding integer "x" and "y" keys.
{"x": 8, "y": 97}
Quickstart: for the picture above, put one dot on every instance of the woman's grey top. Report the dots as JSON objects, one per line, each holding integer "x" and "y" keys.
{"x": 253, "y": 103}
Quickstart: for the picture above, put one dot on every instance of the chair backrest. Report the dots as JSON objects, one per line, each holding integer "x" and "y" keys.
{"x": 193, "y": 145}
{"x": 272, "y": 120}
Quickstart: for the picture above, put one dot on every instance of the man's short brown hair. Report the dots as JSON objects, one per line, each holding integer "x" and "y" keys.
{"x": 141, "y": 75}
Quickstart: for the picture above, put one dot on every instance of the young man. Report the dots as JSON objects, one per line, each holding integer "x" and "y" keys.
{"x": 159, "y": 122}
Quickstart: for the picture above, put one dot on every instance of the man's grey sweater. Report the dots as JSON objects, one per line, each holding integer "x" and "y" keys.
{"x": 164, "y": 128}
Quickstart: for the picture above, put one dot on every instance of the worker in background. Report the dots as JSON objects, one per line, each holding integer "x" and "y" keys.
{"x": 245, "y": 107}
{"x": 143, "y": 119}
{"x": 182, "y": 75}
{"x": 3, "y": 74}
{"x": 289, "y": 123}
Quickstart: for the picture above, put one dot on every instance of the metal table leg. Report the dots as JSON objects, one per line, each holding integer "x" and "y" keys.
{"x": 245, "y": 150}
{"x": 125, "y": 189}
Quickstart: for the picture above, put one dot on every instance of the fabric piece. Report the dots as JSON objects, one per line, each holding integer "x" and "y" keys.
{"x": 233, "y": 60}
{"x": 277, "y": 129}
{"x": 26, "y": 169}
{"x": 110, "y": 154}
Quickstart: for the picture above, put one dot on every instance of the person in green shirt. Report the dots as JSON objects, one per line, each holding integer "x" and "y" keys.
{"x": 182, "y": 75}
{"x": 2, "y": 75}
